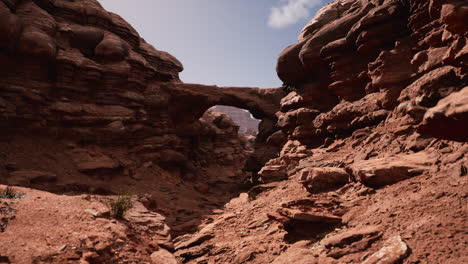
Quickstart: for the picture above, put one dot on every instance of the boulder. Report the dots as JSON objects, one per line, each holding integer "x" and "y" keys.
{"x": 393, "y": 251}
{"x": 351, "y": 241}
{"x": 205, "y": 234}
{"x": 102, "y": 163}
{"x": 323, "y": 178}
{"x": 430, "y": 83}
{"x": 307, "y": 211}
{"x": 350, "y": 236}
{"x": 91, "y": 161}
{"x": 301, "y": 116}
{"x": 454, "y": 16}
{"x": 385, "y": 171}
{"x": 163, "y": 256}
{"x": 448, "y": 119}
{"x": 272, "y": 173}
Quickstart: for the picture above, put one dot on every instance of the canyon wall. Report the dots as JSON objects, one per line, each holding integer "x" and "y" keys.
{"x": 77, "y": 73}
{"x": 361, "y": 65}
{"x": 361, "y": 155}
{"x": 85, "y": 101}
{"x": 374, "y": 167}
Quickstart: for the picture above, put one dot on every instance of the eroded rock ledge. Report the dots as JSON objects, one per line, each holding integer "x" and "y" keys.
{"x": 376, "y": 153}
{"x": 85, "y": 102}
{"x": 74, "y": 71}
{"x": 370, "y": 128}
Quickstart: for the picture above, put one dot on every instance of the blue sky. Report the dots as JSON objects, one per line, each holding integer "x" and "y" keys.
{"x": 221, "y": 42}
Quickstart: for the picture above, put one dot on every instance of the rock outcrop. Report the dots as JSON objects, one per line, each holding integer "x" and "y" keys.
{"x": 361, "y": 156}
{"x": 353, "y": 58}
{"x": 375, "y": 156}
{"x": 77, "y": 73}
{"x": 85, "y": 101}
{"x": 450, "y": 112}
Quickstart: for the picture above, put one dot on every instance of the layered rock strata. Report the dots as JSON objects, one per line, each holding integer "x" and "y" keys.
{"x": 370, "y": 128}
{"x": 374, "y": 167}
{"x": 396, "y": 65}
{"x": 73, "y": 71}
{"x": 85, "y": 101}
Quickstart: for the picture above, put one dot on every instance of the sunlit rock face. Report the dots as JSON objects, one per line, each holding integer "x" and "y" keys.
{"x": 375, "y": 124}
{"x": 87, "y": 100}
{"x": 361, "y": 156}
{"x": 73, "y": 70}
{"x": 357, "y": 62}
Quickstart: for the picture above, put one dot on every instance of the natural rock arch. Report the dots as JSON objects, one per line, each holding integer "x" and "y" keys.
{"x": 191, "y": 101}
{"x": 194, "y": 99}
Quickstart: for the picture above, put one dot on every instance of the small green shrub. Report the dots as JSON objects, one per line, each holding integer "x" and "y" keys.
{"x": 10, "y": 193}
{"x": 120, "y": 205}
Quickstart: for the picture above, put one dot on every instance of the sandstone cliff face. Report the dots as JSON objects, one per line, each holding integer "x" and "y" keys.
{"x": 72, "y": 71}
{"x": 85, "y": 101}
{"x": 386, "y": 64}
{"x": 359, "y": 62}
{"x": 365, "y": 145}
{"x": 374, "y": 167}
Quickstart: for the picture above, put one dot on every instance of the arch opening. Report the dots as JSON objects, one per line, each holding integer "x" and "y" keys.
{"x": 248, "y": 124}
{"x": 261, "y": 103}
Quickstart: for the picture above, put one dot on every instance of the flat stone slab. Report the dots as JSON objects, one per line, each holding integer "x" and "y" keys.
{"x": 323, "y": 178}
{"x": 319, "y": 217}
{"x": 349, "y": 236}
{"x": 385, "y": 171}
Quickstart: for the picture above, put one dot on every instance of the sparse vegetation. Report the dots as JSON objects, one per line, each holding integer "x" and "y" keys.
{"x": 120, "y": 205}
{"x": 10, "y": 193}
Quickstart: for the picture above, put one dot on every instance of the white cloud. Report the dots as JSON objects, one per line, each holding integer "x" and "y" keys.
{"x": 291, "y": 12}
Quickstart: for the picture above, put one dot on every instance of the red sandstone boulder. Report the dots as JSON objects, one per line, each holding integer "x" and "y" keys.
{"x": 92, "y": 161}
{"x": 272, "y": 173}
{"x": 351, "y": 241}
{"x": 449, "y": 118}
{"x": 289, "y": 67}
{"x": 163, "y": 256}
{"x": 454, "y": 16}
{"x": 384, "y": 171}
{"x": 325, "y": 178}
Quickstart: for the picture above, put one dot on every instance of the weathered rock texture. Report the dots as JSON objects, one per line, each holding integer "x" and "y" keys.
{"x": 73, "y": 71}
{"x": 361, "y": 62}
{"x": 376, "y": 121}
{"x": 372, "y": 121}
{"x": 85, "y": 101}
